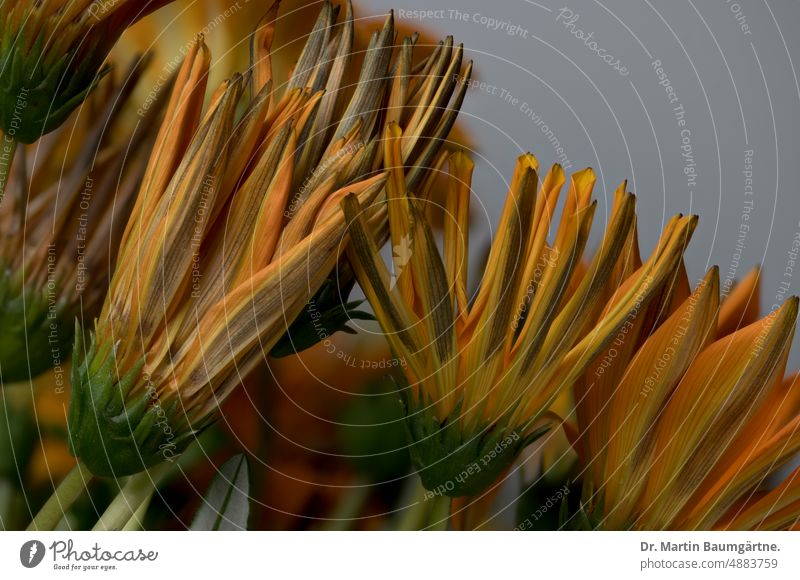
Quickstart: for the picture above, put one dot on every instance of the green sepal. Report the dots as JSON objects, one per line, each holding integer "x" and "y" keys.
{"x": 324, "y": 315}
{"x": 456, "y": 463}
{"x": 116, "y": 425}
{"x": 38, "y": 93}
{"x": 35, "y": 333}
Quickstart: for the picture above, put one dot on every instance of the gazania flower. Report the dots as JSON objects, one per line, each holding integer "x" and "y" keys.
{"x": 696, "y": 417}
{"x": 56, "y": 236}
{"x": 51, "y": 54}
{"x": 236, "y": 228}
{"x": 484, "y": 370}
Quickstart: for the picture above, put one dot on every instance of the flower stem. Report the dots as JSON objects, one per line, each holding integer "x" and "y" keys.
{"x": 413, "y": 517}
{"x": 439, "y": 514}
{"x": 64, "y": 496}
{"x": 136, "y": 491}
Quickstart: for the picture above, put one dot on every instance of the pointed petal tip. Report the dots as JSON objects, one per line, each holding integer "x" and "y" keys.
{"x": 711, "y": 279}
{"x": 584, "y": 180}
{"x": 460, "y": 158}
{"x": 791, "y": 306}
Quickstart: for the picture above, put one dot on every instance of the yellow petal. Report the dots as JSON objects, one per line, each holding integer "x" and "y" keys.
{"x": 646, "y": 385}
{"x": 456, "y": 228}
{"x": 261, "y": 49}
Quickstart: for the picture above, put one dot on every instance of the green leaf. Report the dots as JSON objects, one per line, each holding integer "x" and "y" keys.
{"x": 226, "y": 505}
{"x": 325, "y": 314}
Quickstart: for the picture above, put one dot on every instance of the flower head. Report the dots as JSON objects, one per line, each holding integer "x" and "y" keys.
{"x": 51, "y": 54}
{"x": 236, "y": 227}
{"x": 695, "y": 416}
{"x": 56, "y": 219}
{"x": 484, "y": 370}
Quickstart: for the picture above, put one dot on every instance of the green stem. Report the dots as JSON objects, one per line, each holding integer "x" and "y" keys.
{"x": 439, "y": 514}
{"x": 64, "y": 496}
{"x": 130, "y": 498}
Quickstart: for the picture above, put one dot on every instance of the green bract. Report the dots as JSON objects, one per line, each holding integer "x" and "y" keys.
{"x": 115, "y": 429}
{"x": 51, "y": 57}
{"x": 36, "y": 96}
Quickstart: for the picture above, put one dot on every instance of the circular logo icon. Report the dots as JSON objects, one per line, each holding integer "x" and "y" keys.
{"x": 31, "y": 553}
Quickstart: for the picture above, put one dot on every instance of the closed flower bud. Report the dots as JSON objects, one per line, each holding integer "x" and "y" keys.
{"x": 236, "y": 227}
{"x": 51, "y": 57}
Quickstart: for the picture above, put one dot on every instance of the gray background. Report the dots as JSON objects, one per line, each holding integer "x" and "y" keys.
{"x": 739, "y": 89}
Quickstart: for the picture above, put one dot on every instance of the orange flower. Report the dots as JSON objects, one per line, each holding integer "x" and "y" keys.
{"x": 695, "y": 416}
{"x": 483, "y": 371}
{"x": 236, "y": 228}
